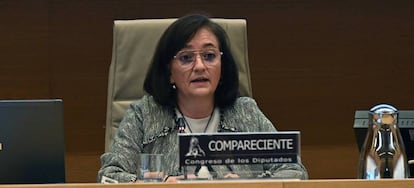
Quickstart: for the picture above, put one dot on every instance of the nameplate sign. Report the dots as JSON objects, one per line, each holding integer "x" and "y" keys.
{"x": 239, "y": 148}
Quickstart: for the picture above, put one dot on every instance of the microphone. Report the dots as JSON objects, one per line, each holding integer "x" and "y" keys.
{"x": 180, "y": 124}
{"x": 181, "y": 129}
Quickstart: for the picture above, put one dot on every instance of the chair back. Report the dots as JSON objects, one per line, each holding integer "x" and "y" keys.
{"x": 134, "y": 43}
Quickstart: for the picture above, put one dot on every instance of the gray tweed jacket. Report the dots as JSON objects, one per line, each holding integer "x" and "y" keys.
{"x": 150, "y": 128}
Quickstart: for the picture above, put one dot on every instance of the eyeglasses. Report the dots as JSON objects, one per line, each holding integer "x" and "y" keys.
{"x": 209, "y": 56}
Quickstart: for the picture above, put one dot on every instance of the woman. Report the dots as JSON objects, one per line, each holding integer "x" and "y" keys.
{"x": 193, "y": 79}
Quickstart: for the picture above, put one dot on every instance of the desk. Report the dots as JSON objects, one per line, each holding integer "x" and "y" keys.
{"x": 335, "y": 183}
{"x": 350, "y": 183}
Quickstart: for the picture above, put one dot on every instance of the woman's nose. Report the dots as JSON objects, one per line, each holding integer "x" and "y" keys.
{"x": 198, "y": 62}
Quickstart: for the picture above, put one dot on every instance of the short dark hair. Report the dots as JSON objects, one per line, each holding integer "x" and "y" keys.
{"x": 176, "y": 36}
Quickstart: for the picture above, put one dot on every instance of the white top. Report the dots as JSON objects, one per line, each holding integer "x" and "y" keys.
{"x": 199, "y": 125}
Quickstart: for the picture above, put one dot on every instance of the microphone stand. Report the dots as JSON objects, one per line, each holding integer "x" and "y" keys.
{"x": 181, "y": 129}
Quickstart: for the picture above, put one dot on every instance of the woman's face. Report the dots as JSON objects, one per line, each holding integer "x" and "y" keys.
{"x": 196, "y": 68}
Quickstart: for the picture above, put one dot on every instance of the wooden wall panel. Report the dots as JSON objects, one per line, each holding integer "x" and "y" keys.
{"x": 24, "y": 70}
{"x": 313, "y": 63}
{"x": 80, "y": 54}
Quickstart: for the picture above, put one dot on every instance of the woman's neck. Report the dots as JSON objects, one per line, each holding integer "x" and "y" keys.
{"x": 196, "y": 109}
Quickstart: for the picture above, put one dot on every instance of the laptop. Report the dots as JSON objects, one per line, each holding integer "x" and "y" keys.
{"x": 32, "y": 149}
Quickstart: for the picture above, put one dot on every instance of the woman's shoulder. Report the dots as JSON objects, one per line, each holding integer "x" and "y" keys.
{"x": 244, "y": 101}
{"x": 242, "y": 105}
{"x": 246, "y": 116}
{"x": 146, "y": 101}
{"x": 147, "y": 106}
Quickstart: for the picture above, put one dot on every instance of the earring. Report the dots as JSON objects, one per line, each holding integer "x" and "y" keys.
{"x": 173, "y": 86}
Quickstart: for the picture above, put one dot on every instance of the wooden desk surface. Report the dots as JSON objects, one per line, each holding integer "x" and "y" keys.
{"x": 350, "y": 183}
{"x": 334, "y": 183}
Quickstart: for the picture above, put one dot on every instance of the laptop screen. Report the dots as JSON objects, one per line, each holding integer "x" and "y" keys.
{"x": 32, "y": 148}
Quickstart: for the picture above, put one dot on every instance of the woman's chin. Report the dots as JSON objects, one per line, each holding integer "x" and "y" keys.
{"x": 203, "y": 93}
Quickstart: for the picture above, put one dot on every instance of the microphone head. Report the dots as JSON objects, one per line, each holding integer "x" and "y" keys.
{"x": 180, "y": 124}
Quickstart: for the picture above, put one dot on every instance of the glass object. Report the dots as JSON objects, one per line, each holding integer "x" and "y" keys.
{"x": 151, "y": 169}
{"x": 383, "y": 154}
{"x": 209, "y": 56}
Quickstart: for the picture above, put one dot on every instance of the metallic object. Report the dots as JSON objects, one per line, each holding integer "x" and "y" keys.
{"x": 383, "y": 154}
